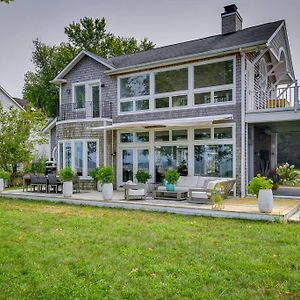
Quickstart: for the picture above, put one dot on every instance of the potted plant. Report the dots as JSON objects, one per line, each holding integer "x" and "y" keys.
{"x": 106, "y": 178}
{"x": 217, "y": 196}
{"x": 262, "y": 187}
{"x": 95, "y": 175}
{"x": 66, "y": 176}
{"x": 4, "y": 175}
{"x": 171, "y": 176}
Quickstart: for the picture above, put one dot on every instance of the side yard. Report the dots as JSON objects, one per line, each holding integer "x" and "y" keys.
{"x": 56, "y": 251}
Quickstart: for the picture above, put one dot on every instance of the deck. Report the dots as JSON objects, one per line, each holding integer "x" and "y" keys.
{"x": 240, "y": 208}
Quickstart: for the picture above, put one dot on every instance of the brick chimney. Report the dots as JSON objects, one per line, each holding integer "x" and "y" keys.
{"x": 231, "y": 19}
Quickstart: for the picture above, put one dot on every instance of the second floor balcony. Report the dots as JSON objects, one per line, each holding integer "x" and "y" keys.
{"x": 281, "y": 98}
{"x": 71, "y": 111}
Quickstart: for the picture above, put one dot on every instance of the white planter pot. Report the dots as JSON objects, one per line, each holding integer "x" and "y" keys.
{"x": 99, "y": 187}
{"x": 1, "y": 185}
{"x": 107, "y": 191}
{"x": 68, "y": 188}
{"x": 265, "y": 201}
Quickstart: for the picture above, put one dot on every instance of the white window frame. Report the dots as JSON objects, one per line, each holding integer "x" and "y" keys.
{"x": 190, "y": 143}
{"x": 88, "y": 94}
{"x": 189, "y": 92}
{"x": 84, "y": 166}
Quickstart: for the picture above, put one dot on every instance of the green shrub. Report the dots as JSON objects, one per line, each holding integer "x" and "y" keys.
{"x": 95, "y": 174}
{"x": 142, "y": 176}
{"x": 66, "y": 174}
{"x": 37, "y": 166}
{"x": 172, "y": 176}
{"x": 287, "y": 172}
{"x": 259, "y": 183}
{"x": 106, "y": 175}
{"x": 4, "y": 174}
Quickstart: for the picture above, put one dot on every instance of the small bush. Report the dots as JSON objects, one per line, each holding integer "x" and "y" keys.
{"x": 106, "y": 175}
{"x": 287, "y": 172}
{"x": 142, "y": 176}
{"x": 95, "y": 174}
{"x": 259, "y": 183}
{"x": 172, "y": 176}
{"x": 66, "y": 174}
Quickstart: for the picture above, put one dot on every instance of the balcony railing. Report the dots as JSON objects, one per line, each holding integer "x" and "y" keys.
{"x": 86, "y": 110}
{"x": 281, "y": 98}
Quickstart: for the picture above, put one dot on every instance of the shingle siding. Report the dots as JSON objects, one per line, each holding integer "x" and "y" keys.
{"x": 87, "y": 70}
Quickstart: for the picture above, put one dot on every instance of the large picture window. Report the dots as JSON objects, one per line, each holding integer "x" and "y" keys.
{"x": 134, "y": 86}
{"x": 167, "y": 157}
{"x": 220, "y": 73}
{"x": 80, "y": 155}
{"x": 213, "y": 160}
{"x": 171, "y": 81}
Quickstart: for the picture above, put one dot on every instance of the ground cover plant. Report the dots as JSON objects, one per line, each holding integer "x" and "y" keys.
{"x": 56, "y": 251}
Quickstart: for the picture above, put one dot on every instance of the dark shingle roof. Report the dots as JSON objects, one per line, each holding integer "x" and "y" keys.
{"x": 21, "y": 102}
{"x": 251, "y": 35}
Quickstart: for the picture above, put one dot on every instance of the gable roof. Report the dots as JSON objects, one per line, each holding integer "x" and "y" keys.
{"x": 248, "y": 37}
{"x": 255, "y": 35}
{"x": 76, "y": 60}
{"x": 10, "y": 97}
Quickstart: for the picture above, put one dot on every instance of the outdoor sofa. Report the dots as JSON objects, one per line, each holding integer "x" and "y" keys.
{"x": 199, "y": 187}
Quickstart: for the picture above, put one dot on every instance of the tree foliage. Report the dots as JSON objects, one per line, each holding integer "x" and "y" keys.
{"x": 20, "y": 132}
{"x": 6, "y": 1}
{"x": 88, "y": 34}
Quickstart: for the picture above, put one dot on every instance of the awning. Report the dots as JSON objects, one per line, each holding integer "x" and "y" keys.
{"x": 168, "y": 122}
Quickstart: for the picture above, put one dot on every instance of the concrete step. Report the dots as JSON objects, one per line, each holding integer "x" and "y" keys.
{"x": 295, "y": 217}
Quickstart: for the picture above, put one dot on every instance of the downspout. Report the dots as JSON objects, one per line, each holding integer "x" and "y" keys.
{"x": 104, "y": 146}
{"x": 243, "y": 126}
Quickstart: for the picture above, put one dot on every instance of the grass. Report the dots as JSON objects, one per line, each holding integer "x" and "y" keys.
{"x": 56, "y": 251}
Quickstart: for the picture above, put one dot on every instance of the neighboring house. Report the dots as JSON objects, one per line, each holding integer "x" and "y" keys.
{"x": 213, "y": 106}
{"x": 7, "y": 101}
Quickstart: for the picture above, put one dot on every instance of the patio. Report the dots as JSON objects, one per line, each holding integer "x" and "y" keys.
{"x": 241, "y": 208}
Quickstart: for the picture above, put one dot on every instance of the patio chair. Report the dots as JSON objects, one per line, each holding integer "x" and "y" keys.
{"x": 42, "y": 183}
{"x": 135, "y": 191}
{"x": 76, "y": 183}
{"x": 33, "y": 179}
{"x": 54, "y": 183}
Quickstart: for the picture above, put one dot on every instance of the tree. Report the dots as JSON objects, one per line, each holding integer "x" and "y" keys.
{"x": 20, "y": 132}
{"x": 6, "y": 1}
{"x": 89, "y": 34}
{"x": 48, "y": 61}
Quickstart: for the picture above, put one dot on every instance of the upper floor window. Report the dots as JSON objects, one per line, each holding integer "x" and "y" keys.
{"x": 134, "y": 86}
{"x": 171, "y": 81}
{"x": 212, "y": 74}
{"x": 79, "y": 96}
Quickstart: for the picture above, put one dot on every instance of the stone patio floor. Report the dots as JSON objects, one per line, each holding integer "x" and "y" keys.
{"x": 243, "y": 208}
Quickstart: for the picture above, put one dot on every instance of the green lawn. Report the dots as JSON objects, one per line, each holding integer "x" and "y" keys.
{"x": 56, "y": 251}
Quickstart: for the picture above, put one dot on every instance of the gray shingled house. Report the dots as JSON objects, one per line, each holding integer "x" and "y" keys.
{"x": 215, "y": 106}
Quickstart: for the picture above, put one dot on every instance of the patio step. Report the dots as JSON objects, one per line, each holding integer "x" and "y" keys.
{"x": 295, "y": 217}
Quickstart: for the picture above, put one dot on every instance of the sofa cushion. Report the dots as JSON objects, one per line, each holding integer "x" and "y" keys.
{"x": 140, "y": 192}
{"x": 199, "y": 195}
{"x": 187, "y": 181}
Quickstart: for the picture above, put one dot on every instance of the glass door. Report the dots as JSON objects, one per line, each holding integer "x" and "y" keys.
{"x": 134, "y": 160}
{"x": 96, "y": 101}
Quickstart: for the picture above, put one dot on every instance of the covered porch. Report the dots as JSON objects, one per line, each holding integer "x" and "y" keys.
{"x": 273, "y": 144}
{"x": 234, "y": 207}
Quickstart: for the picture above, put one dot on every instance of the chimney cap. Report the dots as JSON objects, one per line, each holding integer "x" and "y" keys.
{"x": 230, "y": 8}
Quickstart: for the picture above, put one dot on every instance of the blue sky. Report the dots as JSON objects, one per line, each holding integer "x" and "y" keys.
{"x": 162, "y": 21}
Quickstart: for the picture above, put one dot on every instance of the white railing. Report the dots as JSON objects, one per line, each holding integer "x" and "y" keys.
{"x": 280, "y": 98}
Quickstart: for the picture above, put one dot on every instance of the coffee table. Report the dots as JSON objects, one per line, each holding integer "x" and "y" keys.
{"x": 170, "y": 195}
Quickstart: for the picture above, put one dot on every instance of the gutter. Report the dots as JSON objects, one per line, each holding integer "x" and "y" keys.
{"x": 245, "y": 47}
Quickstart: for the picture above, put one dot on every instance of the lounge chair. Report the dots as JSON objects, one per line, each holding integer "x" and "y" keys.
{"x": 135, "y": 191}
